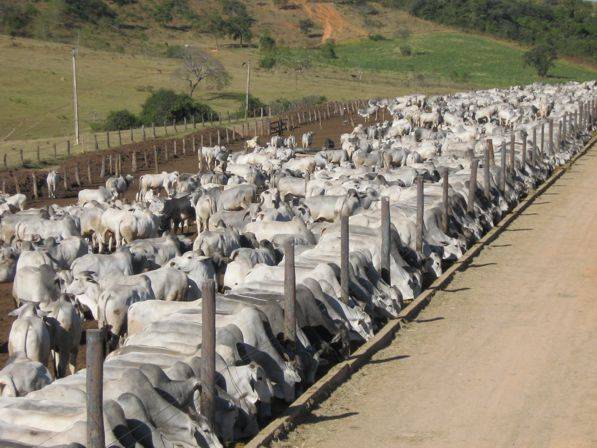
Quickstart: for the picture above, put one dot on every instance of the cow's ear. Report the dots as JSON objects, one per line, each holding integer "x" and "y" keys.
{"x": 17, "y": 311}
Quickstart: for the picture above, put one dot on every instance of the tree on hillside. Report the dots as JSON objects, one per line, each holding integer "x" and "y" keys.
{"x": 541, "y": 57}
{"x": 216, "y": 25}
{"x": 237, "y": 21}
{"x": 199, "y": 66}
{"x": 167, "y": 105}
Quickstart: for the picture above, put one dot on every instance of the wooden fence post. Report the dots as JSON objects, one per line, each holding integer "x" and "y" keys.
{"x": 542, "y": 138}
{"x": 420, "y": 210}
{"x": 184, "y": 146}
{"x": 103, "y": 168}
{"x": 385, "y": 240}
{"x": 174, "y": 149}
{"x": 155, "y": 158}
{"x": 132, "y": 135}
{"x": 534, "y": 149}
{"x": 89, "y": 178}
{"x": 219, "y": 139}
{"x": 55, "y": 153}
{"x": 166, "y": 155}
{"x": 4, "y": 157}
{"x": 77, "y": 175}
{"x": 503, "y": 168}
{"x": 119, "y": 138}
{"x": 22, "y": 157}
{"x": 153, "y": 130}
{"x": 165, "y": 128}
{"x": 110, "y": 170}
{"x": 174, "y": 126}
{"x": 550, "y": 142}
{"x": 68, "y": 148}
{"x": 38, "y": 154}
{"x": 472, "y": 187}
{"x": 344, "y": 252}
{"x": 145, "y": 161}
{"x": 208, "y": 352}
{"x": 446, "y": 200}
{"x": 289, "y": 294}
{"x": 143, "y": 136}
{"x": 512, "y": 152}
{"x": 34, "y": 183}
{"x": 134, "y": 162}
{"x": 486, "y": 176}
{"x": 185, "y": 123}
{"x": 108, "y": 139}
{"x": 65, "y": 178}
{"x": 524, "y": 150}
{"x": 94, "y": 388}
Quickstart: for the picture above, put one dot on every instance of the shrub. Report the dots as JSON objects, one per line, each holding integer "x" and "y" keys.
{"x": 120, "y": 120}
{"x": 282, "y": 4}
{"x": 255, "y": 105}
{"x": 88, "y": 10}
{"x": 541, "y": 57}
{"x": 267, "y": 43}
{"x": 15, "y": 18}
{"x": 403, "y": 32}
{"x": 267, "y": 61}
{"x": 376, "y": 37}
{"x": 306, "y": 25}
{"x": 168, "y": 105}
{"x": 328, "y": 49}
{"x": 406, "y": 50}
{"x": 175, "y": 51}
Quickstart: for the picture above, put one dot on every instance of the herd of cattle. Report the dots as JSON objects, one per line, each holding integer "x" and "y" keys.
{"x": 131, "y": 265}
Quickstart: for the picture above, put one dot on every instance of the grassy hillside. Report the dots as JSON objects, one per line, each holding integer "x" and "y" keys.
{"x": 441, "y": 58}
{"x": 122, "y": 59}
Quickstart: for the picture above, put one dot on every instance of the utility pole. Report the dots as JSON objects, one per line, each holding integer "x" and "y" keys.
{"x": 75, "y": 98}
{"x": 248, "y": 64}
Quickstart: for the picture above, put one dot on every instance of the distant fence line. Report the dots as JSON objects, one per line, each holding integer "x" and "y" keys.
{"x": 149, "y": 153}
{"x": 36, "y": 154}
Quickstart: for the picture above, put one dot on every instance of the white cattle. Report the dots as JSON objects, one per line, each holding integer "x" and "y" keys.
{"x": 100, "y": 195}
{"x": 51, "y": 182}
{"x": 164, "y": 180}
{"x": 29, "y": 335}
{"x": 307, "y": 139}
{"x": 21, "y": 376}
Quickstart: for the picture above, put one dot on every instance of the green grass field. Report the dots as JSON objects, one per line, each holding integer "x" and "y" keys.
{"x": 35, "y": 77}
{"x": 443, "y": 58}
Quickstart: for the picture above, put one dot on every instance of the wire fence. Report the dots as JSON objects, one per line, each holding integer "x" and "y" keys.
{"x": 39, "y": 153}
{"x": 138, "y": 150}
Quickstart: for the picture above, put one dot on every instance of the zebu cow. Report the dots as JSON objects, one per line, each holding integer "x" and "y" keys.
{"x": 21, "y": 376}
{"x": 51, "y": 181}
{"x": 307, "y": 140}
{"x": 164, "y": 180}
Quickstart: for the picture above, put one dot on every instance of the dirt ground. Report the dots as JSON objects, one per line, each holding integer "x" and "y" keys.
{"x": 331, "y": 128}
{"x": 505, "y": 356}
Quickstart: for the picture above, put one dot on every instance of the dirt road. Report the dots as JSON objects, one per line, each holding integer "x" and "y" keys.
{"x": 506, "y": 356}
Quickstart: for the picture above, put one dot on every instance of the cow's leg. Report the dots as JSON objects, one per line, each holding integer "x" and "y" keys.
{"x": 72, "y": 366}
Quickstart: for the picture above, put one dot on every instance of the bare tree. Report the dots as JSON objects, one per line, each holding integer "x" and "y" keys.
{"x": 199, "y": 66}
